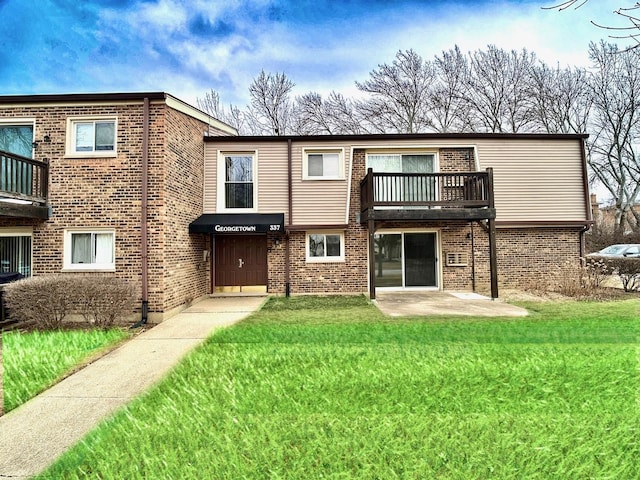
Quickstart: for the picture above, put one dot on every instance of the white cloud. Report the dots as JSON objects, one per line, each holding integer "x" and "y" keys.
{"x": 153, "y": 45}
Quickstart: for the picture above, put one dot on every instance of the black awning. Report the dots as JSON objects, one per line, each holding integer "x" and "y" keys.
{"x": 233, "y": 223}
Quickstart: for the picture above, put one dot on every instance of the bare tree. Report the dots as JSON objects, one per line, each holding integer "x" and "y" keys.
{"x": 447, "y": 97}
{"x": 210, "y": 104}
{"x": 334, "y": 116}
{"x": 399, "y": 95}
{"x": 495, "y": 92}
{"x": 614, "y": 148}
{"x": 233, "y": 116}
{"x": 271, "y": 106}
{"x": 627, "y": 13}
{"x": 560, "y": 98}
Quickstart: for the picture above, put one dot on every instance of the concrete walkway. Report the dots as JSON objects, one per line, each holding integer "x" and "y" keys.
{"x": 444, "y": 303}
{"x": 38, "y": 432}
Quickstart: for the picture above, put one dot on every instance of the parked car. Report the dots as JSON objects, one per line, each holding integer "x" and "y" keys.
{"x": 630, "y": 250}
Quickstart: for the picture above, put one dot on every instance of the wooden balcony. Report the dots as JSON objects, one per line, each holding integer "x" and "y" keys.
{"x": 424, "y": 197}
{"x": 466, "y": 196}
{"x": 23, "y": 186}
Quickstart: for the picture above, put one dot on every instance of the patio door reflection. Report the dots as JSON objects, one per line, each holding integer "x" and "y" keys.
{"x": 406, "y": 260}
{"x": 388, "y": 247}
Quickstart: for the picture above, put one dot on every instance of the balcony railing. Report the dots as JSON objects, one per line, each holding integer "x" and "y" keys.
{"x": 444, "y": 190}
{"x": 23, "y": 178}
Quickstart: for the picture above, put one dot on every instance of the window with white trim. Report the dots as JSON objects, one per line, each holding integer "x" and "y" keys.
{"x": 94, "y": 137}
{"x": 89, "y": 250}
{"x": 323, "y": 164}
{"x": 237, "y": 183}
{"x": 325, "y": 247}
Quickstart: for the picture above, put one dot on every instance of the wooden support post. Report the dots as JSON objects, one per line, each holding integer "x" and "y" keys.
{"x": 371, "y": 228}
{"x": 493, "y": 261}
{"x": 493, "y": 257}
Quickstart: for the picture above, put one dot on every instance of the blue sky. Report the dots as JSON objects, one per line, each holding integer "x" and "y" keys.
{"x": 187, "y": 48}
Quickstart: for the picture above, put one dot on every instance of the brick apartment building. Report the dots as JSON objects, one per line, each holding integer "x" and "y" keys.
{"x": 105, "y": 183}
{"x": 148, "y": 188}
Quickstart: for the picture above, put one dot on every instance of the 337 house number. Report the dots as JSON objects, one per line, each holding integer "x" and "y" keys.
{"x": 274, "y": 228}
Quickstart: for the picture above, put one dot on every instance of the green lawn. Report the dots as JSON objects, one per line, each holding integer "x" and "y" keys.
{"x": 35, "y": 360}
{"x": 329, "y": 388}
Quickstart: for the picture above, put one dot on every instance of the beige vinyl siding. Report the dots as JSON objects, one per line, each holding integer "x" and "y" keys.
{"x": 320, "y": 202}
{"x": 272, "y": 178}
{"x": 271, "y": 174}
{"x": 535, "y": 180}
{"x": 210, "y": 177}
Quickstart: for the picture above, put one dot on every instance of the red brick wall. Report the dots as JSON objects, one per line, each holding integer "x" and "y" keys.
{"x": 454, "y": 160}
{"x": 525, "y": 255}
{"x": 88, "y": 192}
{"x": 185, "y": 274}
{"x": 106, "y": 192}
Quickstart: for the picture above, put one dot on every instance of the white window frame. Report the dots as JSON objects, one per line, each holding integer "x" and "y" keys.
{"x": 68, "y": 266}
{"x": 325, "y": 259}
{"x": 72, "y": 122}
{"x": 21, "y": 232}
{"x": 321, "y": 151}
{"x": 221, "y": 181}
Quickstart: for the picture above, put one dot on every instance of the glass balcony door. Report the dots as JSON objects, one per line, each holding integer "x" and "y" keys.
{"x": 16, "y": 176}
{"x": 406, "y": 189}
{"x": 406, "y": 259}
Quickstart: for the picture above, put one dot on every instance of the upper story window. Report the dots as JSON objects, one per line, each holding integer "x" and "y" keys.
{"x": 414, "y": 185}
{"x": 323, "y": 164}
{"x": 17, "y": 137}
{"x": 91, "y": 137}
{"x": 238, "y": 187}
{"x": 402, "y": 162}
{"x": 89, "y": 250}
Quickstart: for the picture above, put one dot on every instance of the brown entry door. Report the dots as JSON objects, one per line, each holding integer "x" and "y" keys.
{"x": 241, "y": 260}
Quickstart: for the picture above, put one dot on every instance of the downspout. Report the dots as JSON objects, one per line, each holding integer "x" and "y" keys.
{"x": 587, "y": 198}
{"x": 582, "y": 244}
{"x": 287, "y": 253}
{"x": 143, "y": 216}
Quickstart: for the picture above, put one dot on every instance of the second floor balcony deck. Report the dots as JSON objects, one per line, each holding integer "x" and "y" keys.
{"x": 466, "y": 196}
{"x": 23, "y": 186}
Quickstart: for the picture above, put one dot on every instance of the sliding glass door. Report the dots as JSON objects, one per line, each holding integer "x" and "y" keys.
{"x": 410, "y": 188}
{"x": 15, "y": 254}
{"x": 16, "y": 176}
{"x": 406, "y": 259}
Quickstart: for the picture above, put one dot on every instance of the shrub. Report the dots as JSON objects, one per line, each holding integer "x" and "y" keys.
{"x": 628, "y": 269}
{"x": 596, "y": 271}
{"x": 102, "y": 300}
{"x": 581, "y": 281}
{"x": 45, "y": 301}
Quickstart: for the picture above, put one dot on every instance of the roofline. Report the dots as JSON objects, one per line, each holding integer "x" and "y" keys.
{"x": 168, "y": 99}
{"x": 82, "y": 97}
{"x": 400, "y": 136}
